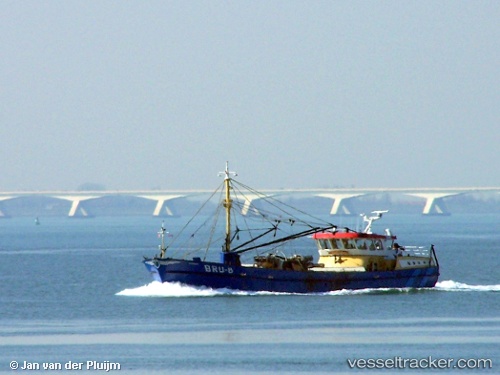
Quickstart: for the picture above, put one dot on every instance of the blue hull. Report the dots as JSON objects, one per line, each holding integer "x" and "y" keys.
{"x": 218, "y": 275}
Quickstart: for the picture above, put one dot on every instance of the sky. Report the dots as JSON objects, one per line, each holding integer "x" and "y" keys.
{"x": 138, "y": 95}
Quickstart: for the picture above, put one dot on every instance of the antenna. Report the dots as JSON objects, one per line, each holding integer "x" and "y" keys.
{"x": 370, "y": 219}
{"x": 227, "y": 173}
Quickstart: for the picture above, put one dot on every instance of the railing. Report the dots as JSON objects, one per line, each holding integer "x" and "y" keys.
{"x": 420, "y": 251}
{"x": 417, "y": 251}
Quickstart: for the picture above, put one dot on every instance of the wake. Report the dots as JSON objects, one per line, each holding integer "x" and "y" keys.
{"x": 455, "y": 286}
{"x": 157, "y": 289}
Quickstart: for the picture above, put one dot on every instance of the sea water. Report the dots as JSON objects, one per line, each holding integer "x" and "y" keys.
{"x": 75, "y": 297}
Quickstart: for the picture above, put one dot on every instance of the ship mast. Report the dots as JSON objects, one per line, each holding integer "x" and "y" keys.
{"x": 227, "y": 205}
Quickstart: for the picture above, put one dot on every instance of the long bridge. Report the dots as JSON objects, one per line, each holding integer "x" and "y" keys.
{"x": 432, "y": 198}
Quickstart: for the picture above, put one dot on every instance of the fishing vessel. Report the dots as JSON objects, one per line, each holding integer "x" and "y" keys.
{"x": 344, "y": 259}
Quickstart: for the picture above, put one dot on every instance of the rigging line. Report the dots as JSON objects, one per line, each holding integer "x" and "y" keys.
{"x": 272, "y": 226}
{"x": 264, "y": 214}
{"x": 287, "y": 238}
{"x": 245, "y": 198}
{"x": 270, "y": 198}
{"x": 193, "y": 217}
{"x": 255, "y": 239}
{"x": 199, "y": 249}
{"x": 235, "y": 234}
{"x": 273, "y": 222}
{"x": 237, "y": 203}
{"x": 266, "y": 198}
{"x": 214, "y": 225}
{"x": 266, "y": 218}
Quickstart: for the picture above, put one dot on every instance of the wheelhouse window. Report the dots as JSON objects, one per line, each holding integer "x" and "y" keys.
{"x": 325, "y": 244}
{"x": 362, "y": 245}
{"x": 349, "y": 244}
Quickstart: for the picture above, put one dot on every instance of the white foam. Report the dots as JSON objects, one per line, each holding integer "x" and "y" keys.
{"x": 157, "y": 289}
{"x": 347, "y": 292}
{"x": 450, "y": 285}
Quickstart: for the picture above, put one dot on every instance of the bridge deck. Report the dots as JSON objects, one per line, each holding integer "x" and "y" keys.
{"x": 340, "y": 198}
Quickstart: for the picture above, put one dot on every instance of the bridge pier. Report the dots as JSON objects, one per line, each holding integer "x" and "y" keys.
{"x": 161, "y": 203}
{"x": 434, "y": 204}
{"x": 337, "y": 202}
{"x": 247, "y": 204}
{"x": 75, "y": 204}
